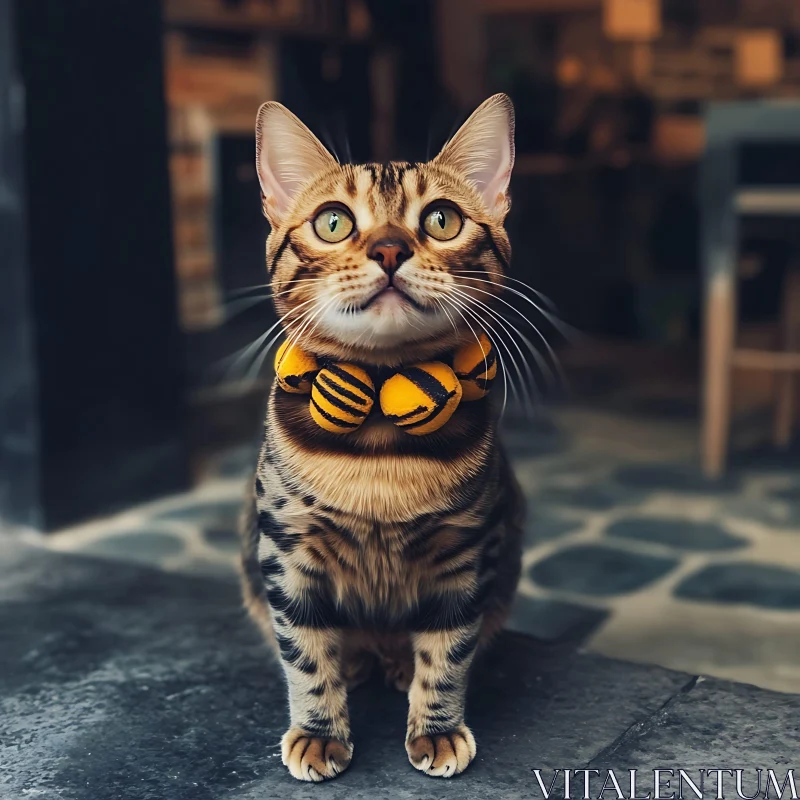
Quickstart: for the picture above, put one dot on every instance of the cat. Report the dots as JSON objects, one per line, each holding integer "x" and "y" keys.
{"x": 378, "y": 545}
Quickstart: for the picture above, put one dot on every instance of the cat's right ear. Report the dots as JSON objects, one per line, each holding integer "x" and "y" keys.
{"x": 288, "y": 156}
{"x": 483, "y": 151}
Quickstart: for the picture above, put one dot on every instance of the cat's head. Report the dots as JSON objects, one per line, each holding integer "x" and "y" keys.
{"x": 385, "y": 263}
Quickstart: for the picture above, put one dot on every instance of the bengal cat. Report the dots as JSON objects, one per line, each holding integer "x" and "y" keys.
{"x": 379, "y": 545}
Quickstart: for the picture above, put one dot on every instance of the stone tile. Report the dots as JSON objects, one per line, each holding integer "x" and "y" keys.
{"x": 675, "y": 532}
{"x": 599, "y": 571}
{"x": 185, "y": 702}
{"x": 240, "y": 462}
{"x": 745, "y": 583}
{"x": 543, "y": 524}
{"x": 766, "y": 510}
{"x": 218, "y": 521}
{"x": 789, "y": 495}
{"x": 533, "y": 437}
{"x": 596, "y": 497}
{"x": 554, "y": 621}
{"x": 224, "y": 538}
{"x": 675, "y": 478}
{"x": 139, "y": 545}
{"x": 580, "y": 466}
{"x": 713, "y": 724}
{"x": 206, "y": 512}
{"x": 706, "y": 639}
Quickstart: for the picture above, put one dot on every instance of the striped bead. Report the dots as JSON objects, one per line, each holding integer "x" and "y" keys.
{"x": 341, "y": 397}
{"x": 475, "y": 365}
{"x": 421, "y": 398}
{"x": 294, "y": 368}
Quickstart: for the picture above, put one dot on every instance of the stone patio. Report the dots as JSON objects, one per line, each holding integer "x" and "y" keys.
{"x": 127, "y": 682}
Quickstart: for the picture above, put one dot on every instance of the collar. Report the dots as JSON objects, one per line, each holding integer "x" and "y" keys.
{"x": 419, "y": 398}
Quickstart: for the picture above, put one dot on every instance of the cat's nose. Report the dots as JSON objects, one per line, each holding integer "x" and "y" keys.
{"x": 389, "y": 253}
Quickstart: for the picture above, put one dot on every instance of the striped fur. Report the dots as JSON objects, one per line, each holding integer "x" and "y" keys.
{"x": 379, "y": 546}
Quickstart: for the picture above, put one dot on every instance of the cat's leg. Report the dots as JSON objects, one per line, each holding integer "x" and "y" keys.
{"x": 310, "y": 643}
{"x": 397, "y": 661}
{"x": 357, "y": 660}
{"x": 317, "y": 745}
{"x": 437, "y": 740}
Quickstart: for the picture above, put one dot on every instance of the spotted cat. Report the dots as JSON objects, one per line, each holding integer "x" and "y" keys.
{"x": 378, "y": 546}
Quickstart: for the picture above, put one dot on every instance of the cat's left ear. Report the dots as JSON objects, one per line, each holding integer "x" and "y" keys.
{"x": 483, "y": 151}
{"x": 288, "y": 156}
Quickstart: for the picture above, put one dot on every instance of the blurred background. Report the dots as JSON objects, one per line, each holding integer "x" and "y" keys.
{"x": 655, "y": 203}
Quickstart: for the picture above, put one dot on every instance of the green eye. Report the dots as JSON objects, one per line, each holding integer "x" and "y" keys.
{"x": 443, "y": 223}
{"x": 333, "y": 225}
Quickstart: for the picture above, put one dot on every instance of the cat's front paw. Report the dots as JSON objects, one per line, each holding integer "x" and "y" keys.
{"x": 314, "y": 758}
{"x": 442, "y": 754}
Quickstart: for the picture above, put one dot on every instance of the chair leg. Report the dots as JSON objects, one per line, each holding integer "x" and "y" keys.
{"x": 720, "y": 323}
{"x": 786, "y": 382}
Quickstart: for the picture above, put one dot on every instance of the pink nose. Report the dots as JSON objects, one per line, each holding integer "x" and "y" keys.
{"x": 390, "y": 254}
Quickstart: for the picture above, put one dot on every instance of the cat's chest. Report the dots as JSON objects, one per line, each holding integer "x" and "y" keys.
{"x": 382, "y": 489}
{"x": 378, "y": 473}
{"x": 363, "y": 564}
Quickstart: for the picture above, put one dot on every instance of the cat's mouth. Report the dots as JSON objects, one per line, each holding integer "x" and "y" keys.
{"x": 391, "y": 294}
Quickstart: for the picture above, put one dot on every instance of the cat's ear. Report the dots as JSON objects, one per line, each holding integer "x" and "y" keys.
{"x": 288, "y": 156}
{"x": 483, "y": 151}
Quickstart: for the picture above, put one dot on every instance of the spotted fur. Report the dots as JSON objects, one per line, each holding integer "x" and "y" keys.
{"x": 379, "y": 546}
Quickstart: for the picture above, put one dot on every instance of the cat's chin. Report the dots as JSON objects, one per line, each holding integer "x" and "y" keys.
{"x": 390, "y": 320}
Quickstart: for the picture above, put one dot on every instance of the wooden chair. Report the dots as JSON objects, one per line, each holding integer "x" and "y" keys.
{"x": 723, "y": 202}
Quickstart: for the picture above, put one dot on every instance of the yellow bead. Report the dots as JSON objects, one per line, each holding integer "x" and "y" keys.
{"x": 421, "y": 398}
{"x": 294, "y": 368}
{"x": 341, "y": 397}
{"x": 475, "y": 365}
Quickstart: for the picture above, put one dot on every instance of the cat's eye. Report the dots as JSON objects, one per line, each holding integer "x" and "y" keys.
{"x": 333, "y": 224}
{"x": 442, "y": 222}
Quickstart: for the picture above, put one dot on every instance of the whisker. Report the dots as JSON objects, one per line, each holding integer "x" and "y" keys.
{"x": 498, "y": 341}
{"x": 525, "y": 386}
{"x": 565, "y": 329}
{"x": 254, "y": 345}
{"x": 534, "y": 352}
{"x": 541, "y": 295}
{"x": 243, "y": 290}
{"x": 257, "y": 350}
{"x": 505, "y": 325}
{"x": 456, "y": 308}
{"x": 455, "y": 328}
{"x": 517, "y": 311}
{"x": 441, "y": 306}
{"x": 506, "y": 378}
{"x": 319, "y": 316}
{"x": 295, "y": 336}
{"x": 258, "y": 360}
{"x": 528, "y": 386}
{"x": 236, "y": 307}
